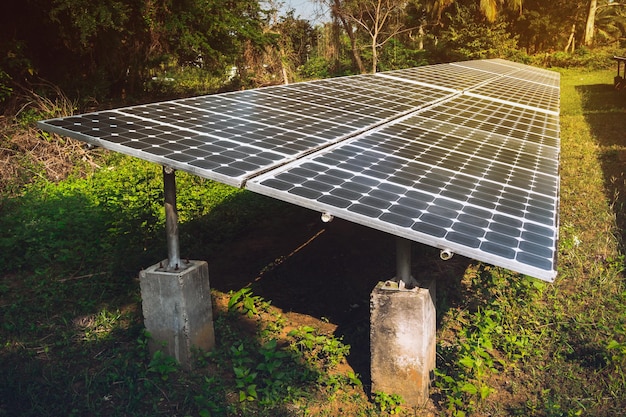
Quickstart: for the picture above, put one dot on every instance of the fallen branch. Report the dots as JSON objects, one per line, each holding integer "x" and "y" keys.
{"x": 80, "y": 277}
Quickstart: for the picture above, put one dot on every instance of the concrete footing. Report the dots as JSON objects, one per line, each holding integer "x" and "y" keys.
{"x": 177, "y": 310}
{"x": 402, "y": 340}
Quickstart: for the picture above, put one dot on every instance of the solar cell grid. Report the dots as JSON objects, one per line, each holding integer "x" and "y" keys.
{"x": 553, "y": 75}
{"x": 521, "y": 92}
{"x": 545, "y": 78}
{"x": 547, "y": 154}
{"x": 442, "y": 75}
{"x": 460, "y": 156}
{"x": 489, "y": 66}
{"x": 372, "y": 90}
{"x": 498, "y": 118}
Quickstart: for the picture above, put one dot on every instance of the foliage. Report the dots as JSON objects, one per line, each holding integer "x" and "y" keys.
{"x": 466, "y": 36}
{"x": 116, "y": 50}
{"x": 388, "y": 403}
{"x": 398, "y": 55}
{"x": 162, "y": 365}
{"x": 315, "y": 68}
{"x": 267, "y": 372}
{"x": 610, "y": 23}
{"x": 119, "y": 209}
{"x": 115, "y": 45}
{"x": 244, "y": 301}
{"x": 5, "y": 88}
{"x": 546, "y": 26}
{"x": 27, "y": 153}
{"x": 318, "y": 348}
{"x": 182, "y": 81}
{"x": 595, "y": 59}
{"x": 297, "y": 39}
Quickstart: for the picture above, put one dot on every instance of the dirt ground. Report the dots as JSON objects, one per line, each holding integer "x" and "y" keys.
{"x": 322, "y": 273}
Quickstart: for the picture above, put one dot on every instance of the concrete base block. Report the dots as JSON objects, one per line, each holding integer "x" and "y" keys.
{"x": 402, "y": 340}
{"x": 177, "y": 310}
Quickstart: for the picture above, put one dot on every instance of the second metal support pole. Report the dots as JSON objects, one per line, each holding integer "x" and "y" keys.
{"x": 171, "y": 219}
{"x": 403, "y": 260}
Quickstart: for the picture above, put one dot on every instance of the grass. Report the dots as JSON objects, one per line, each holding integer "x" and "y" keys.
{"x": 72, "y": 340}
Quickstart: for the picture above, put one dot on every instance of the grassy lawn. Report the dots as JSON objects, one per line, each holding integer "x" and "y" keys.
{"x": 71, "y": 333}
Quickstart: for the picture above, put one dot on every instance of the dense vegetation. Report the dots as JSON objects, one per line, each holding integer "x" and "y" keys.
{"x": 77, "y": 224}
{"x": 121, "y": 50}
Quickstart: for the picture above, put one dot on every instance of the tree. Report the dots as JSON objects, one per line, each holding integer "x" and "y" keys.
{"x": 590, "y": 25}
{"x": 548, "y": 25}
{"x": 114, "y": 44}
{"x": 336, "y": 11}
{"x": 610, "y": 14}
{"x": 489, "y": 8}
{"x": 380, "y": 19}
{"x": 295, "y": 39}
{"x": 610, "y": 24}
{"x": 467, "y": 36}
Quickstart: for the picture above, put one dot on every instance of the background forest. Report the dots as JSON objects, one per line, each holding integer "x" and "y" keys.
{"x": 104, "y": 50}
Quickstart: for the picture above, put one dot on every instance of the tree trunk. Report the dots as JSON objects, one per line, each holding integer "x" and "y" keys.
{"x": 591, "y": 23}
{"x": 570, "y": 41}
{"x": 374, "y": 56}
{"x": 356, "y": 56}
{"x": 422, "y": 34}
{"x": 285, "y": 73}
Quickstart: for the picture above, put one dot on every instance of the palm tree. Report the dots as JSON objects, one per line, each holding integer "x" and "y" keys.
{"x": 606, "y": 19}
{"x": 489, "y": 8}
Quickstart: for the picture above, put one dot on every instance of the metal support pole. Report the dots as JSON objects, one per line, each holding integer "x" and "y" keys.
{"x": 403, "y": 261}
{"x": 171, "y": 219}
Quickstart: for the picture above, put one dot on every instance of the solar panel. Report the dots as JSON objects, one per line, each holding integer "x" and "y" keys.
{"x": 460, "y": 156}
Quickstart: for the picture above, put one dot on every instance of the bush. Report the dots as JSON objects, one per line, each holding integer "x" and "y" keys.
{"x": 397, "y": 55}
{"x": 315, "y": 68}
{"x": 592, "y": 59}
{"x": 467, "y": 37}
{"x": 182, "y": 82}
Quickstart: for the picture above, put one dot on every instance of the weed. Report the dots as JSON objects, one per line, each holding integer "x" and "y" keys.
{"x": 163, "y": 365}
{"x": 318, "y": 348}
{"x": 249, "y": 304}
{"x": 388, "y": 403}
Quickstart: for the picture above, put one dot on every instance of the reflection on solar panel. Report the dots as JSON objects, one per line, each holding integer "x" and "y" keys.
{"x": 459, "y": 156}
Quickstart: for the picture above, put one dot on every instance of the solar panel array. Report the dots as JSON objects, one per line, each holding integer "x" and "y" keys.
{"x": 460, "y": 156}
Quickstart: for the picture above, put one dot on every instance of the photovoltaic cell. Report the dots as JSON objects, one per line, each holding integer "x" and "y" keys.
{"x": 459, "y": 156}
{"x": 521, "y": 92}
{"x": 443, "y": 75}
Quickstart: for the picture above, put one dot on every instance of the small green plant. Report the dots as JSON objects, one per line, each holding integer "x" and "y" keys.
{"x": 243, "y": 369}
{"x": 247, "y": 303}
{"x": 318, "y": 348}
{"x": 208, "y": 402}
{"x": 273, "y": 373}
{"x": 244, "y": 382}
{"x": 163, "y": 365}
{"x": 354, "y": 379}
{"x": 5, "y": 88}
{"x": 473, "y": 362}
{"x": 388, "y": 403}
